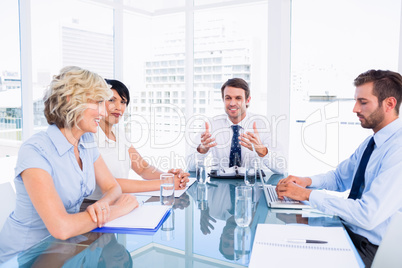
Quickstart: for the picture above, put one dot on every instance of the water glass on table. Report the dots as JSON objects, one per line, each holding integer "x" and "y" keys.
{"x": 201, "y": 171}
{"x": 251, "y": 173}
{"x": 167, "y": 189}
{"x": 243, "y": 205}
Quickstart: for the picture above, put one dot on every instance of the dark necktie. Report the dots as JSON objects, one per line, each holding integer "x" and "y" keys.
{"x": 235, "y": 149}
{"x": 358, "y": 182}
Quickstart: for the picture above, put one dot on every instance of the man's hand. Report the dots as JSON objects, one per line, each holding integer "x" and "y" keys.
{"x": 292, "y": 190}
{"x": 206, "y": 141}
{"x": 248, "y": 138}
{"x": 302, "y": 181}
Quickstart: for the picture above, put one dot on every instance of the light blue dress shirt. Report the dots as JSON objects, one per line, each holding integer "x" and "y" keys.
{"x": 51, "y": 152}
{"x": 381, "y": 199}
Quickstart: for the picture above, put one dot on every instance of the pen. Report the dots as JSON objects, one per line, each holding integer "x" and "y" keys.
{"x": 310, "y": 241}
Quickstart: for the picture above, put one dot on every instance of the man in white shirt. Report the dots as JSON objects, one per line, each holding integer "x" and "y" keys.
{"x": 237, "y": 137}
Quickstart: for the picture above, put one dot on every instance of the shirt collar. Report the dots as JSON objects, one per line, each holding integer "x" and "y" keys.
{"x": 386, "y": 132}
{"x": 59, "y": 141}
{"x": 241, "y": 123}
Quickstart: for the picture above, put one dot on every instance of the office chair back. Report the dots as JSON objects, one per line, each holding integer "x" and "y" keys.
{"x": 389, "y": 253}
{"x": 7, "y": 201}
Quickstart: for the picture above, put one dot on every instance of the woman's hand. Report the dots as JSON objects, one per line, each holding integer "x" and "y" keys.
{"x": 125, "y": 204}
{"x": 99, "y": 212}
{"x": 180, "y": 178}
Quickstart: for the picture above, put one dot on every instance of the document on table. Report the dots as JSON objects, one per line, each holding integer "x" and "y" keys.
{"x": 281, "y": 246}
{"x": 144, "y": 217}
{"x": 177, "y": 193}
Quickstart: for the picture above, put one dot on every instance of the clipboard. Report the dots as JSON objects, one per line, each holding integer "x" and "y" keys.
{"x": 141, "y": 230}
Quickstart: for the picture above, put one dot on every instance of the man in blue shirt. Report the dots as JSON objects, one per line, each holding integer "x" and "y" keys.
{"x": 373, "y": 172}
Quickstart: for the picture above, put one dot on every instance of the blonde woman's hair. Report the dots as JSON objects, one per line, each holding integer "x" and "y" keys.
{"x": 68, "y": 94}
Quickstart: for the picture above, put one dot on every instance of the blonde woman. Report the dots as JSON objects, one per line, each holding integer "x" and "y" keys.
{"x": 57, "y": 168}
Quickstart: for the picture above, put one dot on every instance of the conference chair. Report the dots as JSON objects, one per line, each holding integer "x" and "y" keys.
{"x": 389, "y": 253}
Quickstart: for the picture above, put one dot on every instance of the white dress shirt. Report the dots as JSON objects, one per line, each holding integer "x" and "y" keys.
{"x": 115, "y": 154}
{"x": 220, "y": 129}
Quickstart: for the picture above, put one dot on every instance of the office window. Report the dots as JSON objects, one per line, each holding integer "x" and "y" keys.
{"x": 70, "y": 33}
{"x": 221, "y": 39}
{"x": 326, "y": 58}
{"x": 162, "y": 43}
{"x": 11, "y": 118}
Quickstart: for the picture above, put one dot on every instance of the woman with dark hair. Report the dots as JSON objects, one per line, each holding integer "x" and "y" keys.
{"x": 112, "y": 144}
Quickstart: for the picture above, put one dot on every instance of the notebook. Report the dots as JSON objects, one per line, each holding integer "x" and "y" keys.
{"x": 274, "y": 202}
{"x": 277, "y": 245}
{"x": 145, "y": 219}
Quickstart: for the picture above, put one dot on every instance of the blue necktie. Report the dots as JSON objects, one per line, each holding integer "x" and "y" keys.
{"x": 235, "y": 149}
{"x": 358, "y": 182}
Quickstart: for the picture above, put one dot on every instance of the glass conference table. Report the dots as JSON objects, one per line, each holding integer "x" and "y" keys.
{"x": 200, "y": 232}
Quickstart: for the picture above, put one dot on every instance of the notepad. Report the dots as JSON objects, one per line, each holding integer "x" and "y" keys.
{"x": 272, "y": 246}
{"x": 144, "y": 219}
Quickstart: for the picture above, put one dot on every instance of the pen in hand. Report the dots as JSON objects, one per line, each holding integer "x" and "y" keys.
{"x": 310, "y": 241}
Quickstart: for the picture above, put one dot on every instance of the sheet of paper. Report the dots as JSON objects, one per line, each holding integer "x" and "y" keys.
{"x": 271, "y": 246}
{"x": 142, "y": 198}
{"x": 142, "y": 217}
{"x": 177, "y": 193}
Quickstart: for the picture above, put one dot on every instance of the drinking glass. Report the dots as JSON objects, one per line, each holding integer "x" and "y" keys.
{"x": 243, "y": 205}
{"x": 251, "y": 173}
{"x": 201, "y": 171}
{"x": 167, "y": 189}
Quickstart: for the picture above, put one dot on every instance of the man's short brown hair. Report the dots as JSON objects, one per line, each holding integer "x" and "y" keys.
{"x": 385, "y": 84}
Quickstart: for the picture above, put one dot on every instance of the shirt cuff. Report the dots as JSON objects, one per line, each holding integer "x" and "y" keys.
{"x": 316, "y": 199}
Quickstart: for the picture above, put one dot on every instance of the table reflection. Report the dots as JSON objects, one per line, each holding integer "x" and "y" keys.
{"x": 215, "y": 203}
{"x": 201, "y": 230}
{"x": 89, "y": 250}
